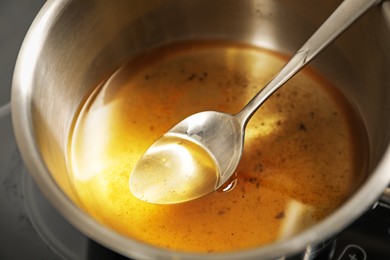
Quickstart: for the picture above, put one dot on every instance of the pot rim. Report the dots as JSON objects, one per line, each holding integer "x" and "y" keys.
{"x": 21, "y": 94}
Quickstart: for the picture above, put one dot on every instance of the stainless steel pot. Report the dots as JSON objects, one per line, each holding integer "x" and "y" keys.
{"x": 72, "y": 45}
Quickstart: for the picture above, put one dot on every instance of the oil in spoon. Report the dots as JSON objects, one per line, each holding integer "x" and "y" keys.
{"x": 173, "y": 169}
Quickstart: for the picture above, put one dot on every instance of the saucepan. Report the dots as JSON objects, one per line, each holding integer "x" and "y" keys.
{"x": 72, "y": 45}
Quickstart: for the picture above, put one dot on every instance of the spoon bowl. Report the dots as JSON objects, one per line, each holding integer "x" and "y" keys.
{"x": 216, "y": 132}
{"x": 204, "y": 150}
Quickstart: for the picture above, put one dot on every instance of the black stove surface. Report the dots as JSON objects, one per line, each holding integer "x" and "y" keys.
{"x": 367, "y": 238}
{"x": 31, "y": 229}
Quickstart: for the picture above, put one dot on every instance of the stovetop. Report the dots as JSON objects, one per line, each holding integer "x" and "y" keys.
{"x": 30, "y": 228}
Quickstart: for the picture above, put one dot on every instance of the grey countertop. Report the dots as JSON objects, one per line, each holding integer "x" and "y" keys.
{"x": 15, "y": 19}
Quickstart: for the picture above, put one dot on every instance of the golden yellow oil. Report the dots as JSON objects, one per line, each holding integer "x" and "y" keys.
{"x": 304, "y": 151}
{"x": 174, "y": 169}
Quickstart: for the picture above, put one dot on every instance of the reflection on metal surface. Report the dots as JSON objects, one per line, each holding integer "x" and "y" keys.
{"x": 298, "y": 216}
{"x": 5, "y": 110}
{"x": 65, "y": 240}
{"x": 385, "y": 198}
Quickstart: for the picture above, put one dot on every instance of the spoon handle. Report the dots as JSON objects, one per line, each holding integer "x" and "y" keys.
{"x": 348, "y": 12}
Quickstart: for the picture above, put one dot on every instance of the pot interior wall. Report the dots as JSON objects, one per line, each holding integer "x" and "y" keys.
{"x": 91, "y": 39}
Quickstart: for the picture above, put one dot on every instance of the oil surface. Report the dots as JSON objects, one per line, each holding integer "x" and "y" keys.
{"x": 303, "y": 154}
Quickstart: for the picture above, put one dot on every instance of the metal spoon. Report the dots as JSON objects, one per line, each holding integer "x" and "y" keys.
{"x": 199, "y": 154}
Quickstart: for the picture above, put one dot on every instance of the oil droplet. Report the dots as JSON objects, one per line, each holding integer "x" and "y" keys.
{"x": 229, "y": 185}
{"x": 174, "y": 169}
